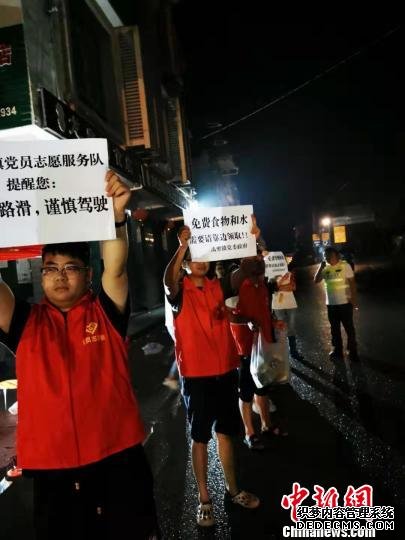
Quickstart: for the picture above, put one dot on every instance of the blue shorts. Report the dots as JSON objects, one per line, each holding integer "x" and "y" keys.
{"x": 212, "y": 402}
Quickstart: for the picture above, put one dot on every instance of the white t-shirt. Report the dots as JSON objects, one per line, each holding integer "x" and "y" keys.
{"x": 336, "y": 285}
{"x": 169, "y": 323}
{"x": 284, "y": 299}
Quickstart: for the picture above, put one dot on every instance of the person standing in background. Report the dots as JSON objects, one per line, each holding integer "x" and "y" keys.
{"x": 284, "y": 306}
{"x": 341, "y": 300}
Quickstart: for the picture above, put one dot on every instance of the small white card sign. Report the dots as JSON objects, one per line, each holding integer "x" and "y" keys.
{"x": 276, "y": 264}
{"x": 220, "y": 233}
{"x": 53, "y": 191}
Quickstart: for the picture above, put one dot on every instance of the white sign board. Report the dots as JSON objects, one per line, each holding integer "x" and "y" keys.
{"x": 53, "y": 191}
{"x": 276, "y": 264}
{"x": 220, "y": 233}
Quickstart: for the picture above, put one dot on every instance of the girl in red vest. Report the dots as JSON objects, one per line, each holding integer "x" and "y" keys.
{"x": 252, "y": 312}
{"x": 207, "y": 361}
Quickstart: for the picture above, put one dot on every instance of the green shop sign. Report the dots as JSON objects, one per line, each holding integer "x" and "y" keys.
{"x": 15, "y": 105}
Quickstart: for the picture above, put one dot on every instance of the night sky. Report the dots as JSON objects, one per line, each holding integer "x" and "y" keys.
{"x": 341, "y": 139}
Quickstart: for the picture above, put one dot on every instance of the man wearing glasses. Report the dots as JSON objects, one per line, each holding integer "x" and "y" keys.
{"x": 79, "y": 432}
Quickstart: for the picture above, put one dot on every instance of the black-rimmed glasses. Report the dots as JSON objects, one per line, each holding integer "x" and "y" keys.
{"x": 68, "y": 270}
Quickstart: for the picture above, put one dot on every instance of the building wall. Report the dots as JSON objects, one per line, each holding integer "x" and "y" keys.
{"x": 45, "y": 56}
{"x": 9, "y": 16}
{"x": 47, "y": 34}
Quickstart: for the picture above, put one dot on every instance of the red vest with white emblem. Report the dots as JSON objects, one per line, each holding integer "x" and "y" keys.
{"x": 75, "y": 400}
{"x": 204, "y": 343}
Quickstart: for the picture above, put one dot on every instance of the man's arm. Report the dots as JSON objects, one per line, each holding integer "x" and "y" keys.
{"x": 286, "y": 283}
{"x": 7, "y": 304}
{"x": 115, "y": 252}
{"x": 318, "y": 276}
{"x": 172, "y": 275}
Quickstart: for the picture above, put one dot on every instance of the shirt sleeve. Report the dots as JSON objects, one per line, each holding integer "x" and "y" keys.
{"x": 348, "y": 271}
{"x": 21, "y": 313}
{"x": 176, "y": 303}
{"x": 118, "y": 320}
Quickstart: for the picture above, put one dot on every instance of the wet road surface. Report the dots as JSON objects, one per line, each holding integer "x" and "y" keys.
{"x": 346, "y": 427}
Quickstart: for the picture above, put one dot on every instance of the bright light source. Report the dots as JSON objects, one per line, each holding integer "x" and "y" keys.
{"x": 26, "y": 133}
{"x": 326, "y": 221}
{"x": 194, "y": 204}
{"x": 207, "y": 201}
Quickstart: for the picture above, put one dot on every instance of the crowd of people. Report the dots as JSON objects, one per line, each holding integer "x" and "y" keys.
{"x": 80, "y": 432}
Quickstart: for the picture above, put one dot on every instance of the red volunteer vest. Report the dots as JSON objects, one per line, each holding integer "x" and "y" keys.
{"x": 243, "y": 337}
{"x": 204, "y": 343}
{"x": 75, "y": 400}
{"x": 253, "y": 304}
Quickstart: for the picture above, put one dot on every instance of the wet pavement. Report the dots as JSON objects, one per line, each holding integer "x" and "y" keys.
{"x": 346, "y": 426}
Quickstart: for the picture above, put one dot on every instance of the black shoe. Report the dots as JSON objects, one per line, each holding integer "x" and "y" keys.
{"x": 336, "y": 355}
{"x": 253, "y": 443}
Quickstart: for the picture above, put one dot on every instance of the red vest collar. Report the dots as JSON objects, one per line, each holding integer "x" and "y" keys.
{"x": 84, "y": 299}
{"x": 190, "y": 285}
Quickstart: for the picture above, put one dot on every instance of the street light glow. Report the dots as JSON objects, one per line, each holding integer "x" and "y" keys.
{"x": 193, "y": 204}
{"x": 325, "y": 222}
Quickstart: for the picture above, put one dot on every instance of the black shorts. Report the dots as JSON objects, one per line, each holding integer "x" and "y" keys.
{"x": 212, "y": 402}
{"x": 247, "y": 387}
{"x": 103, "y": 500}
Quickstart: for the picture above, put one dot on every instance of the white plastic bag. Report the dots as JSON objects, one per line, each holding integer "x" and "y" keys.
{"x": 14, "y": 408}
{"x": 169, "y": 323}
{"x": 4, "y": 484}
{"x": 152, "y": 348}
{"x": 269, "y": 361}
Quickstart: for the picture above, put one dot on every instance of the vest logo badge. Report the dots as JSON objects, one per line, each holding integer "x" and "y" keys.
{"x": 91, "y": 328}
{"x": 93, "y": 337}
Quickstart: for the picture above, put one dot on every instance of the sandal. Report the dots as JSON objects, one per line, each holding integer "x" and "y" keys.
{"x": 276, "y": 431}
{"x": 205, "y": 515}
{"x": 12, "y": 471}
{"x": 245, "y": 499}
{"x": 271, "y": 431}
{"x": 253, "y": 443}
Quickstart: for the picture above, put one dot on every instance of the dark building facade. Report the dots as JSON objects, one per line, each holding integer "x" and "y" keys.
{"x": 215, "y": 171}
{"x": 113, "y": 70}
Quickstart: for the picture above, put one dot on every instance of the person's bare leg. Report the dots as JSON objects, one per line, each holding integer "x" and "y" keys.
{"x": 199, "y": 456}
{"x": 226, "y": 456}
{"x": 246, "y": 414}
{"x": 262, "y": 403}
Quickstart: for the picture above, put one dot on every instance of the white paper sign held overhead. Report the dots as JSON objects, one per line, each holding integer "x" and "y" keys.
{"x": 220, "y": 233}
{"x": 53, "y": 191}
{"x": 276, "y": 264}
